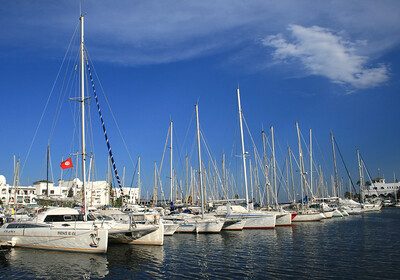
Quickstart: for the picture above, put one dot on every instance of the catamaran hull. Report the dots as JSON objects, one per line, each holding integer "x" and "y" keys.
{"x": 154, "y": 238}
{"x": 372, "y": 207}
{"x": 313, "y": 217}
{"x": 186, "y": 228}
{"x": 233, "y": 224}
{"x": 260, "y": 222}
{"x": 283, "y": 219}
{"x": 170, "y": 229}
{"x": 337, "y": 214}
{"x": 70, "y": 240}
{"x": 209, "y": 226}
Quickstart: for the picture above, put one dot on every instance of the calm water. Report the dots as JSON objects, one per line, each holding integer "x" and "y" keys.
{"x": 364, "y": 246}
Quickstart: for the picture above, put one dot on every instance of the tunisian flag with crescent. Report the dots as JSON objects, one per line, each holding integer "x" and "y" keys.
{"x": 66, "y": 164}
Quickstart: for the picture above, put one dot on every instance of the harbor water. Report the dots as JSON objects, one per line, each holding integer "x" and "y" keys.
{"x": 365, "y": 246}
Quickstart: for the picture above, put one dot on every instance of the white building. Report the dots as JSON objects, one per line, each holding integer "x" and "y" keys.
{"x": 22, "y": 195}
{"x": 381, "y": 188}
{"x": 131, "y": 194}
{"x": 97, "y": 192}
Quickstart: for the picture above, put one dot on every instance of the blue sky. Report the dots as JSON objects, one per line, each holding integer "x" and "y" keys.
{"x": 332, "y": 66}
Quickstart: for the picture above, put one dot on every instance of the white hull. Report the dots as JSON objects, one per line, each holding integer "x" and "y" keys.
{"x": 254, "y": 221}
{"x": 353, "y": 210}
{"x": 234, "y": 224}
{"x": 186, "y": 228}
{"x": 170, "y": 228}
{"x": 344, "y": 213}
{"x": 209, "y": 226}
{"x": 337, "y": 214}
{"x": 284, "y": 219}
{"x": 308, "y": 217}
{"x": 59, "y": 239}
{"x": 328, "y": 214}
{"x": 154, "y": 238}
{"x": 372, "y": 207}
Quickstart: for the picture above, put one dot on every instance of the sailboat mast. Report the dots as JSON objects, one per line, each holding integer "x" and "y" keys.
{"x": 83, "y": 115}
{"x": 311, "y": 162}
{"x": 47, "y": 172}
{"x": 171, "y": 179}
{"x": 265, "y": 168}
{"x": 139, "y": 183}
{"x": 361, "y": 177}
{"x": 334, "y": 164}
{"x": 302, "y": 173}
{"x": 274, "y": 166}
{"x": 291, "y": 174}
{"x": 243, "y": 152}
{"x": 200, "y": 164}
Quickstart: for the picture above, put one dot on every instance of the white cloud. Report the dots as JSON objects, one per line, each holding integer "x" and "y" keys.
{"x": 150, "y": 32}
{"x": 324, "y": 53}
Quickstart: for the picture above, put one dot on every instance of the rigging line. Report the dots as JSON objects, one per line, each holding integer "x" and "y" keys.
{"x": 179, "y": 150}
{"x": 321, "y": 154}
{"x": 47, "y": 102}
{"x": 109, "y": 107}
{"x": 366, "y": 168}
{"x": 162, "y": 160}
{"x": 134, "y": 173}
{"x": 257, "y": 157}
{"x": 73, "y": 110}
{"x": 348, "y": 173}
{"x": 63, "y": 92}
{"x": 187, "y": 130}
{"x": 106, "y": 137}
{"x": 209, "y": 154}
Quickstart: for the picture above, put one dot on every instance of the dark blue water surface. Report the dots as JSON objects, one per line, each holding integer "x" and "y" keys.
{"x": 365, "y": 246}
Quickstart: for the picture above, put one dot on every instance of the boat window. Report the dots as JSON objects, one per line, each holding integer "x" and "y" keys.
{"x": 62, "y": 218}
{"x": 19, "y": 225}
{"x": 68, "y": 218}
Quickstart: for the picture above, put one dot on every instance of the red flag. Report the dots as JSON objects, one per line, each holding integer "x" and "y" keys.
{"x": 66, "y": 164}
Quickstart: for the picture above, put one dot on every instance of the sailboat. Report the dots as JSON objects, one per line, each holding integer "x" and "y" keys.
{"x": 66, "y": 229}
{"x": 253, "y": 219}
{"x": 305, "y": 215}
{"x": 203, "y": 223}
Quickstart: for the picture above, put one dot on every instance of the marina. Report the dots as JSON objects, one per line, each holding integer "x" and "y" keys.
{"x": 225, "y": 198}
{"x": 359, "y": 246}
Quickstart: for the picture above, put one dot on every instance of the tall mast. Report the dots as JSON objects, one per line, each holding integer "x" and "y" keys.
{"x": 302, "y": 173}
{"x": 361, "y": 177}
{"x": 274, "y": 166}
{"x": 224, "y": 177}
{"x": 83, "y": 114}
{"x": 334, "y": 164}
{"x": 139, "y": 183}
{"x": 291, "y": 174}
{"x": 200, "y": 164}
{"x": 171, "y": 179}
{"x": 265, "y": 168}
{"x": 47, "y": 172}
{"x": 243, "y": 152}
{"x": 311, "y": 162}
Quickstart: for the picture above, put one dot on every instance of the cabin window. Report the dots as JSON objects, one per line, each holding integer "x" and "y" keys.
{"x": 63, "y": 218}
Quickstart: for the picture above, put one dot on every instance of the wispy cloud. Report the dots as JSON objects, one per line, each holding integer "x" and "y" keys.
{"x": 149, "y": 32}
{"x": 325, "y": 53}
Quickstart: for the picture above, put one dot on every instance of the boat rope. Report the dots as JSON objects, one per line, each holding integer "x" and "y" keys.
{"x": 348, "y": 173}
{"x": 106, "y": 137}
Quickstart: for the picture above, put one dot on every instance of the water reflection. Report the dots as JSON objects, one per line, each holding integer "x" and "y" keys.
{"x": 363, "y": 246}
{"x": 28, "y": 264}
{"x": 128, "y": 261}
